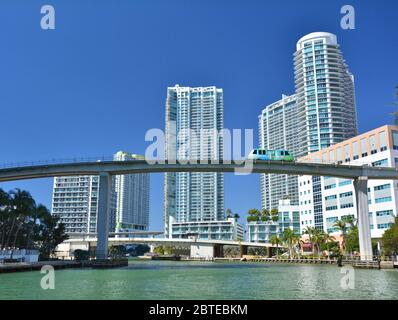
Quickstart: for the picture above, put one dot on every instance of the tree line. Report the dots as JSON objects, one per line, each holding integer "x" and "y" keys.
{"x": 24, "y": 224}
{"x": 322, "y": 241}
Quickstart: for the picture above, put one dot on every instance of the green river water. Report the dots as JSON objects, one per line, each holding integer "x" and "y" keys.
{"x": 203, "y": 280}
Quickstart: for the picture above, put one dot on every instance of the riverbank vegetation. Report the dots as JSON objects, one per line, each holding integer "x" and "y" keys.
{"x": 24, "y": 224}
{"x": 390, "y": 239}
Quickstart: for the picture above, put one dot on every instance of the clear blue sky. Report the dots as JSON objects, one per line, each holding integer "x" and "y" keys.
{"x": 98, "y": 82}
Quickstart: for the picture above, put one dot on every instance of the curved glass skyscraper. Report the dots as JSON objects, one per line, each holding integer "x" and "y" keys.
{"x": 324, "y": 93}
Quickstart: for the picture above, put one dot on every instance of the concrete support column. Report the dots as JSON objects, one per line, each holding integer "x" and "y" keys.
{"x": 243, "y": 250}
{"x": 104, "y": 201}
{"x": 361, "y": 193}
{"x": 269, "y": 252}
{"x": 218, "y": 250}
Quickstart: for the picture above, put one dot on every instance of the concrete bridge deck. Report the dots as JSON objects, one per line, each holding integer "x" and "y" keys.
{"x": 141, "y": 166}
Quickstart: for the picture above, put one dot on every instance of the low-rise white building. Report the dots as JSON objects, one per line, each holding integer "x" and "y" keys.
{"x": 323, "y": 204}
{"x": 288, "y": 217}
{"x": 228, "y": 229}
{"x": 262, "y": 231}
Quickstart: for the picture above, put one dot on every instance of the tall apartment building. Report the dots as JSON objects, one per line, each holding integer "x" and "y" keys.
{"x": 321, "y": 113}
{"x": 130, "y": 199}
{"x": 324, "y": 93}
{"x": 325, "y": 97}
{"x": 278, "y": 130}
{"x": 192, "y": 117}
{"x": 378, "y": 147}
{"x": 75, "y": 201}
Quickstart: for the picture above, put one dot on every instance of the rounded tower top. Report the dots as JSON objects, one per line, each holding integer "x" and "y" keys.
{"x": 330, "y": 38}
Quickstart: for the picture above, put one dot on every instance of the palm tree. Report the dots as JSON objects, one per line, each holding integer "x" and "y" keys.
{"x": 228, "y": 213}
{"x": 4, "y": 216}
{"x": 349, "y": 220}
{"x": 326, "y": 238}
{"x": 276, "y": 241}
{"x": 23, "y": 205}
{"x": 38, "y": 213}
{"x": 274, "y": 215}
{"x": 265, "y": 215}
{"x": 311, "y": 231}
{"x": 342, "y": 226}
{"x": 254, "y": 215}
{"x": 236, "y": 216}
{"x": 317, "y": 239}
{"x": 290, "y": 238}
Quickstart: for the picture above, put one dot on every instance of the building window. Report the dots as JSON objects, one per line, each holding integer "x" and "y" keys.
{"x": 331, "y": 197}
{"x": 384, "y": 225}
{"x": 378, "y": 163}
{"x": 383, "y": 199}
{"x": 384, "y": 213}
{"x": 382, "y": 187}
{"x": 331, "y": 208}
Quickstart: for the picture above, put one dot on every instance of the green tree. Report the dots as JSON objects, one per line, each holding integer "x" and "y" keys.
{"x": 80, "y": 255}
{"x": 342, "y": 226}
{"x": 22, "y": 205}
{"x": 350, "y": 221}
{"x": 229, "y": 213}
{"x": 327, "y": 242}
{"x": 253, "y": 215}
{"x": 390, "y": 239}
{"x": 23, "y": 224}
{"x": 274, "y": 215}
{"x": 312, "y": 237}
{"x": 4, "y": 216}
{"x": 51, "y": 234}
{"x": 290, "y": 238}
{"x": 265, "y": 215}
{"x": 276, "y": 241}
{"x": 236, "y": 216}
{"x": 159, "y": 250}
{"x": 352, "y": 240}
{"x": 117, "y": 251}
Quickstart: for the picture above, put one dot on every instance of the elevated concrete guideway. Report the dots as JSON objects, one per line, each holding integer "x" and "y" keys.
{"x": 106, "y": 169}
{"x": 166, "y": 241}
{"x": 198, "y": 247}
{"x": 141, "y": 166}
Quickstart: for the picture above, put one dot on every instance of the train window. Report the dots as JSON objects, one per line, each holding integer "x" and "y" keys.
{"x": 255, "y": 151}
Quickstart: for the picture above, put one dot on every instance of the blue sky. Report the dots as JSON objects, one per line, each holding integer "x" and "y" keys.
{"x": 97, "y": 83}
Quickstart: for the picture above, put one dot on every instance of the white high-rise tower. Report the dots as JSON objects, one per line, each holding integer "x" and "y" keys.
{"x": 325, "y": 97}
{"x": 278, "y": 130}
{"x": 324, "y": 93}
{"x": 192, "y": 117}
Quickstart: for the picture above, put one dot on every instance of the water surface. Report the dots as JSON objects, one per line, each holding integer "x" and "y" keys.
{"x": 203, "y": 280}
